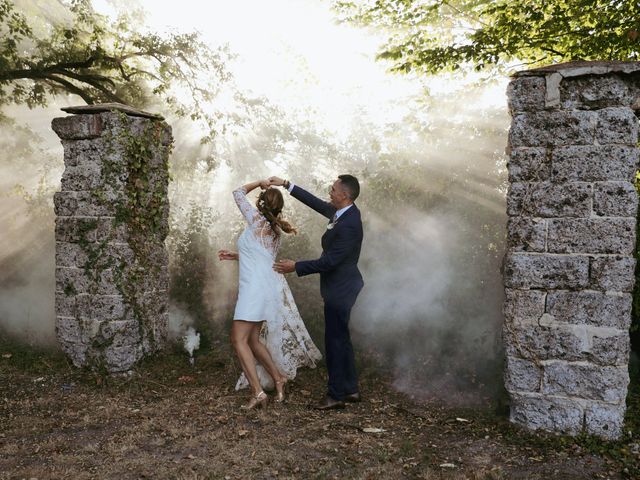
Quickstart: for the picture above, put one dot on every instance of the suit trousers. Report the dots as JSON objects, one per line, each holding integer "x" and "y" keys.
{"x": 341, "y": 364}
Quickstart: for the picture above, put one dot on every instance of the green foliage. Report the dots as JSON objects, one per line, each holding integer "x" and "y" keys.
{"x": 83, "y": 53}
{"x": 436, "y": 35}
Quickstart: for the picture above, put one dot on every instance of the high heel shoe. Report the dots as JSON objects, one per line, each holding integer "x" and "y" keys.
{"x": 280, "y": 389}
{"x": 258, "y": 401}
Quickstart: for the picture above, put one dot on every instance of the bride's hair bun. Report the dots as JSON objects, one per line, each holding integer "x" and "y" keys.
{"x": 269, "y": 204}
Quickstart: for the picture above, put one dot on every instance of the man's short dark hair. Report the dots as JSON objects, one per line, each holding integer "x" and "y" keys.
{"x": 351, "y": 185}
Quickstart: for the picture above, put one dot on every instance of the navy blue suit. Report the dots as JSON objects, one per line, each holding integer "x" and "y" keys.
{"x": 340, "y": 284}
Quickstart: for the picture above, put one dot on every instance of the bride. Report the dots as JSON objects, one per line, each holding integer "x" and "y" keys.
{"x": 266, "y": 324}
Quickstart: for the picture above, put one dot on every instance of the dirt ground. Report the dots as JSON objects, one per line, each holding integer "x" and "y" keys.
{"x": 171, "y": 420}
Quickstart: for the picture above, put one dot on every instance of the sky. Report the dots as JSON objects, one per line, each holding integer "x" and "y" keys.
{"x": 294, "y": 53}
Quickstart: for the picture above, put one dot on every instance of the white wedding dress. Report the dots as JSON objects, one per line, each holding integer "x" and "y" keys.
{"x": 264, "y": 295}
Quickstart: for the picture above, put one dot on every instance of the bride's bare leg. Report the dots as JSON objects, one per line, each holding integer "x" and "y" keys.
{"x": 240, "y": 336}
{"x": 263, "y": 355}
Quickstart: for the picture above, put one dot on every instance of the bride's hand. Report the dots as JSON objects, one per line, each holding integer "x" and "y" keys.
{"x": 264, "y": 184}
{"x": 227, "y": 255}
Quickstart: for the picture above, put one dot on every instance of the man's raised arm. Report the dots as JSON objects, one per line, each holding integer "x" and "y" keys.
{"x": 310, "y": 200}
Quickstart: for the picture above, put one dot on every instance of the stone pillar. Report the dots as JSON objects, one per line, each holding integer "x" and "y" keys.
{"x": 111, "y": 223}
{"x": 569, "y": 265}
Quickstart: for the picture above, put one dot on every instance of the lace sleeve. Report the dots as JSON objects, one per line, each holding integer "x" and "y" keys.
{"x": 249, "y": 212}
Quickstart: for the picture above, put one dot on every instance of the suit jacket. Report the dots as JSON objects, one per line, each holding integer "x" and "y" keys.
{"x": 340, "y": 279}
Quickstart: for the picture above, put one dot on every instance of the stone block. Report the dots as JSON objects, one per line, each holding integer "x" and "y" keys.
{"x": 119, "y": 333}
{"x": 82, "y": 151}
{"x": 76, "y": 229}
{"x": 522, "y": 375}
{"x": 535, "y": 342}
{"x": 591, "y": 235}
{"x": 525, "y": 234}
{"x": 585, "y": 380}
{"x": 553, "y": 128}
{"x": 103, "y": 307}
{"x": 615, "y": 199}
{"x": 612, "y": 273}
{"x": 68, "y": 330}
{"x": 573, "y": 343}
{"x": 595, "y": 92}
{"x": 524, "y": 305}
{"x": 523, "y": 270}
{"x": 77, "y": 126}
{"x": 547, "y": 413}
{"x": 610, "y": 347}
{"x": 70, "y": 254}
{"x": 545, "y": 199}
{"x": 594, "y": 163}
{"x": 93, "y": 256}
{"x": 591, "y": 308}
{"x": 526, "y": 94}
{"x": 72, "y": 281}
{"x": 166, "y": 136}
{"x": 84, "y": 204}
{"x": 617, "y": 125}
{"x": 122, "y": 358}
{"x": 529, "y": 164}
{"x": 82, "y": 176}
{"x": 109, "y": 230}
{"x": 605, "y": 420}
{"x": 65, "y": 306}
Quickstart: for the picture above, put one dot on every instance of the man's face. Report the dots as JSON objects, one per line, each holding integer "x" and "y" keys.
{"x": 337, "y": 194}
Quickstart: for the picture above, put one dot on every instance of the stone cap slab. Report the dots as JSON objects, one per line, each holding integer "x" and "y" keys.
{"x": 581, "y": 67}
{"x": 110, "y": 107}
{"x": 554, "y": 74}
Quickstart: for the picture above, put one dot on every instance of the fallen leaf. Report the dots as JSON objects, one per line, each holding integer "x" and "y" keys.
{"x": 186, "y": 379}
{"x": 306, "y": 393}
{"x": 242, "y": 433}
{"x": 373, "y": 430}
{"x": 463, "y": 420}
{"x": 447, "y": 465}
{"x": 7, "y": 355}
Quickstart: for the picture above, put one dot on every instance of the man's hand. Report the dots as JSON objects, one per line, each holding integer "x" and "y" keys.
{"x": 284, "y": 266}
{"x": 227, "y": 255}
{"x": 276, "y": 181}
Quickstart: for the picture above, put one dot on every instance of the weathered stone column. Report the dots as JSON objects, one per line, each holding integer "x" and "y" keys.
{"x": 569, "y": 267}
{"x": 112, "y": 220}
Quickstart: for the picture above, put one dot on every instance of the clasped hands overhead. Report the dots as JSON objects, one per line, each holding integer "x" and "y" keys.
{"x": 271, "y": 182}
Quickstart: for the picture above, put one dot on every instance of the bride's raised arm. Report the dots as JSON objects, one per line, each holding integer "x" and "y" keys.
{"x": 240, "y": 196}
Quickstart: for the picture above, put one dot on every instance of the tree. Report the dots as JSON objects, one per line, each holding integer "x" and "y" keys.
{"x": 83, "y": 53}
{"x": 429, "y": 36}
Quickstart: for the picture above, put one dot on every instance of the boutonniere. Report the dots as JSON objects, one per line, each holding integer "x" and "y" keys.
{"x": 330, "y": 226}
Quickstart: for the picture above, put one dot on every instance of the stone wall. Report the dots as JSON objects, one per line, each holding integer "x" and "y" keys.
{"x": 569, "y": 266}
{"x": 111, "y": 222}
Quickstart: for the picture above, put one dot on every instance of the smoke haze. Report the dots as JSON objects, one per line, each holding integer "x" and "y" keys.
{"x": 432, "y": 172}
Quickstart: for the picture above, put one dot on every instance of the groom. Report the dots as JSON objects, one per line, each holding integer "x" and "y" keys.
{"x": 340, "y": 281}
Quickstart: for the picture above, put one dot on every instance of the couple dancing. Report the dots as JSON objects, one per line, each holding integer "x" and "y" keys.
{"x": 268, "y": 334}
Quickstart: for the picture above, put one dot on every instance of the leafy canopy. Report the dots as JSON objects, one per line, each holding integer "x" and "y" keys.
{"x": 429, "y": 36}
{"x": 80, "y": 52}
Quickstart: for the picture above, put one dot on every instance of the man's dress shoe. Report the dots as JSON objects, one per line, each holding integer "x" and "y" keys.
{"x": 353, "y": 398}
{"x": 329, "y": 403}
